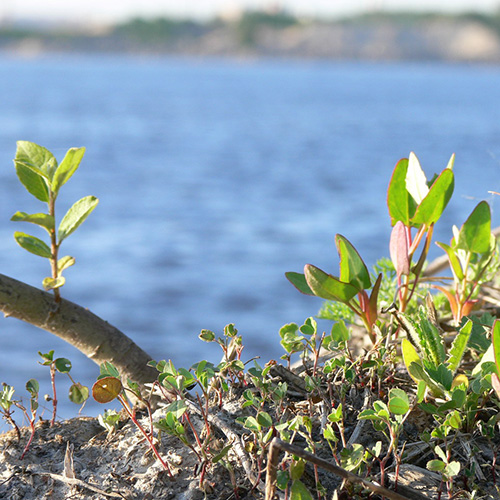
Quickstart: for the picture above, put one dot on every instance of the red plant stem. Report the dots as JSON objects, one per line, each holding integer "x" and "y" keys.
{"x": 144, "y": 433}
{"x": 32, "y": 426}
{"x": 186, "y": 415}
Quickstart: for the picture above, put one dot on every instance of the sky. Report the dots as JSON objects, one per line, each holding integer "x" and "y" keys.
{"x": 116, "y": 10}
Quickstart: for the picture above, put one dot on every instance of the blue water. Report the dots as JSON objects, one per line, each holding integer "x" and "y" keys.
{"x": 215, "y": 178}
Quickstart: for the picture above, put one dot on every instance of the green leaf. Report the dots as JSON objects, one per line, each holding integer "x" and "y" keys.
{"x": 79, "y": 393}
{"x": 432, "y": 206}
{"x": 64, "y": 262}
{"x": 327, "y": 286}
{"x": 32, "y": 386}
{"x": 440, "y": 453}
{"x": 417, "y": 372}
{"x": 63, "y": 365}
{"x": 207, "y": 335}
{"x": 399, "y": 403}
{"x": 435, "y": 465}
{"x": 34, "y": 166}
{"x": 452, "y": 469}
{"x": 264, "y": 419}
{"x": 51, "y": 283}
{"x": 299, "y": 491}
{"x": 309, "y": 327}
{"x": 352, "y": 268}
{"x": 43, "y": 220}
{"x": 399, "y": 201}
{"x": 67, "y": 168}
{"x": 251, "y": 424}
{"x": 37, "y": 158}
{"x": 76, "y": 215}
{"x": 108, "y": 369}
{"x": 177, "y": 408}
{"x": 495, "y": 339}
{"x": 453, "y": 260}
{"x": 458, "y": 347}
{"x": 33, "y": 244}
{"x": 410, "y": 356}
{"x": 475, "y": 233}
{"x": 298, "y": 280}
{"x": 416, "y": 182}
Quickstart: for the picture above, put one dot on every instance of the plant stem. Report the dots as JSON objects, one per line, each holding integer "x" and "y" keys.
{"x": 54, "y": 399}
{"x": 54, "y": 248}
{"x": 131, "y": 414}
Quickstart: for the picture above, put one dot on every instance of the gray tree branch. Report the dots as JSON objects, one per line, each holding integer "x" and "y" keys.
{"x": 91, "y": 335}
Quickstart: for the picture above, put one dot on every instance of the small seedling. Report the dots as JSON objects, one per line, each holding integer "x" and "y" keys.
{"x": 6, "y": 403}
{"x": 78, "y": 393}
{"x": 43, "y": 177}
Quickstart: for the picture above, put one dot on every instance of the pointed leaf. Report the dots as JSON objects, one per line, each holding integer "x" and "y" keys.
{"x": 33, "y": 182}
{"x": 299, "y": 491}
{"x": 64, "y": 262}
{"x": 51, "y": 283}
{"x": 399, "y": 201}
{"x": 432, "y": 206}
{"x": 458, "y": 347}
{"x": 327, "y": 286}
{"x": 76, "y": 215}
{"x": 410, "y": 356}
{"x": 67, "y": 167}
{"x": 475, "y": 233}
{"x": 373, "y": 302}
{"x": 416, "y": 182}
{"x": 495, "y": 340}
{"x": 453, "y": 260}
{"x": 398, "y": 249}
{"x": 37, "y": 158}
{"x": 33, "y": 245}
{"x": 352, "y": 268}
{"x": 417, "y": 372}
{"x": 43, "y": 220}
{"x": 298, "y": 280}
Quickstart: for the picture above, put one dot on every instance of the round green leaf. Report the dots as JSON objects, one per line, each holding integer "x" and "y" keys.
{"x": 78, "y": 393}
{"x": 62, "y": 365}
{"x": 398, "y": 402}
{"x": 435, "y": 465}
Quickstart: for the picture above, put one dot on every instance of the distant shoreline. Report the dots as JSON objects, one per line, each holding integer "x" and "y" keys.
{"x": 388, "y": 38}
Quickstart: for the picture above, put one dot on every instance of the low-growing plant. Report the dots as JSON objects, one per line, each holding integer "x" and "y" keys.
{"x": 109, "y": 387}
{"x": 457, "y": 372}
{"x": 78, "y": 393}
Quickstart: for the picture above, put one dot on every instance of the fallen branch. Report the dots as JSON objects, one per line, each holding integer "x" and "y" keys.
{"x": 91, "y": 335}
{"x": 272, "y": 463}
